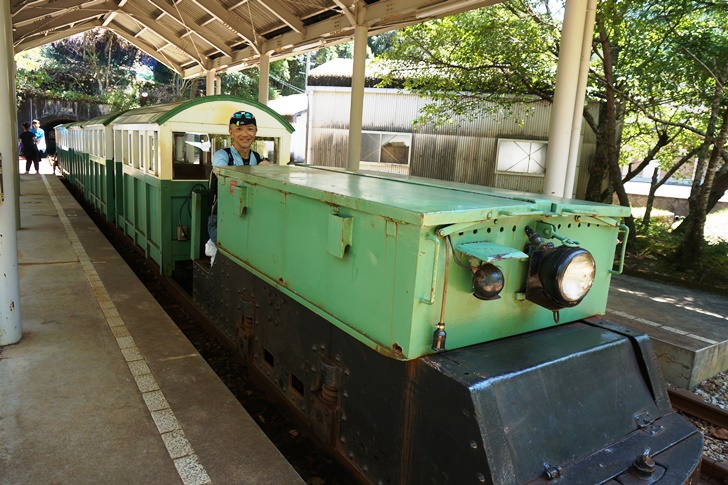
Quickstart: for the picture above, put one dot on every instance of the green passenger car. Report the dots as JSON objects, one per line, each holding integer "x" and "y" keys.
{"x": 163, "y": 154}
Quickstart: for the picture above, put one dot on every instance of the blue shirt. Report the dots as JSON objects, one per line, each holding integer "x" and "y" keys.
{"x": 38, "y": 132}
{"x": 220, "y": 158}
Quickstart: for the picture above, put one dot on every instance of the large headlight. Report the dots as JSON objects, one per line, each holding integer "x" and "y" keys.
{"x": 559, "y": 277}
{"x": 567, "y": 274}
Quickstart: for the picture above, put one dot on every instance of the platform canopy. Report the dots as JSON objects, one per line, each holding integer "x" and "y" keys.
{"x": 196, "y": 36}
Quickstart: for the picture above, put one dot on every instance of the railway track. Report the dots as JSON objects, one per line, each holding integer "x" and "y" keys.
{"x": 712, "y": 471}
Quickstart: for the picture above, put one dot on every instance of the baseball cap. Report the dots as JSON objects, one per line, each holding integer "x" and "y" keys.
{"x": 36, "y": 121}
{"x": 242, "y": 118}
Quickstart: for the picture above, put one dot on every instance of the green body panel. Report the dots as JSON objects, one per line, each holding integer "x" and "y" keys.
{"x": 198, "y": 227}
{"x": 63, "y": 157}
{"x": 100, "y": 185}
{"x": 119, "y": 206}
{"x": 96, "y": 173}
{"x": 149, "y": 211}
{"x": 386, "y": 287}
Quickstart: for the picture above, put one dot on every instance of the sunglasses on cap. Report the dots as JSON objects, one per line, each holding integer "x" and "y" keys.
{"x": 243, "y": 118}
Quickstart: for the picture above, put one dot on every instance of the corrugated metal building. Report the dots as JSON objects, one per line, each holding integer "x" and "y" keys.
{"x": 505, "y": 148}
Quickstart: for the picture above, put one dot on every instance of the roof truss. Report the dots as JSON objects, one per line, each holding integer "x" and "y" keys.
{"x": 195, "y": 36}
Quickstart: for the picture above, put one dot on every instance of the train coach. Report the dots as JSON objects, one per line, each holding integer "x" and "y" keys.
{"x": 434, "y": 332}
{"x": 90, "y": 164}
{"x": 140, "y": 167}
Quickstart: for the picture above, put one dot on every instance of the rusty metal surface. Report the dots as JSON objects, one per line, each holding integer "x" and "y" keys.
{"x": 715, "y": 471}
{"x": 694, "y": 405}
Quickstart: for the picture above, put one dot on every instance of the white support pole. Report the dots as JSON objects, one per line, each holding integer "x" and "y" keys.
{"x": 264, "y": 83}
{"x": 218, "y": 85}
{"x": 210, "y": 83}
{"x": 10, "y": 319}
{"x": 361, "y": 32}
{"x": 562, "y": 110}
{"x": 574, "y": 147}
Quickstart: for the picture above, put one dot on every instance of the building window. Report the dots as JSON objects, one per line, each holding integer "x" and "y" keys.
{"x": 385, "y": 152}
{"x": 383, "y": 147}
{"x": 522, "y": 156}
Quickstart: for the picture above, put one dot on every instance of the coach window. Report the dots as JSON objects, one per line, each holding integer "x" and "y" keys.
{"x": 192, "y": 153}
{"x": 140, "y": 151}
{"x": 126, "y": 147}
{"x": 152, "y": 152}
{"x": 267, "y": 147}
{"x": 133, "y": 155}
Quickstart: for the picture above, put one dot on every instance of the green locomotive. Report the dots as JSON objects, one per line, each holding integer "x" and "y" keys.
{"x": 434, "y": 332}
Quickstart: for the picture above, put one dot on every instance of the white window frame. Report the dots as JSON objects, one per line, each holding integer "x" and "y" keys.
{"x": 381, "y": 134}
{"x": 531, "y": 152}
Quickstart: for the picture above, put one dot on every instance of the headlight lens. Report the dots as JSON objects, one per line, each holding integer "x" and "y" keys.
{"x": 567, "y": 274}
{"x": 578, "y": 276}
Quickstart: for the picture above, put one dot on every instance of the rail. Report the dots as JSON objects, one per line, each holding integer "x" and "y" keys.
{"x": 688, "y": 403}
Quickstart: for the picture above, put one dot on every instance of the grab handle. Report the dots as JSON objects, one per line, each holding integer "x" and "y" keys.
{"x": 624, "y": 250}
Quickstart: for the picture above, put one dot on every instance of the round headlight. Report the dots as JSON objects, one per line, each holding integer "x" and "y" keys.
{"x": 487, "y": 282}
{"x": 567, "y": 275}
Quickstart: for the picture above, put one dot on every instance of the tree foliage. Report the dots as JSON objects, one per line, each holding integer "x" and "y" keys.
{"x": 502, "y": 54}
{"x": 655, "y": 69}
{"x": 93, "y": 65}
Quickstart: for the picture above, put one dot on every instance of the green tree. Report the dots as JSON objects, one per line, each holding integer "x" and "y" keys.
{"x": 639, "y": 73}
{"x": 96, "y": 65}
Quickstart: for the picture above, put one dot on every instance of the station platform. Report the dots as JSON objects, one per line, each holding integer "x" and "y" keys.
{"x": 103, "y": 387}
{"x": 688, "y": 328}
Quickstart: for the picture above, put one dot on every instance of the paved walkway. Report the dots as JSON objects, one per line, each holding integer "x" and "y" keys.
{"x": 688, "y": 328}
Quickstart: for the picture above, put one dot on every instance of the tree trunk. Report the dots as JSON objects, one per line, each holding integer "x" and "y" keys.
{"x": 690, "y": 250}
{"x": 650, "y": 200}
{"x": 612, "y": 137}
{"x": 720, "y": 185}
{"x": 599, "y": 170}
{"x": 689, "y": 222}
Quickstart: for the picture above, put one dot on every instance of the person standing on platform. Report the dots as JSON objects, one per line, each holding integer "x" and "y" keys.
{"x": 30, "y": 148}
{"x": 39, "y": 138}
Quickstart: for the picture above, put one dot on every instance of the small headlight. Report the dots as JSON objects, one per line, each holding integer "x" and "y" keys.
{"x": 487, "y": 282}
{"x": 567, "y": 274}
